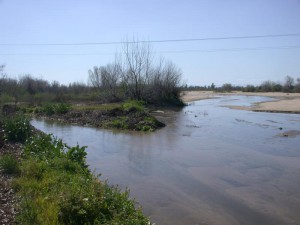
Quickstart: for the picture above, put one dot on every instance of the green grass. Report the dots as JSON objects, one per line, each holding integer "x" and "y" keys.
{"x": 58, "y": 108}
{"x": 149, "y": 123}
{"x": 119, "y": 123}
{"x": 9, "y": 164}
{"x": 56, "y": 187}
{"x": 101, "y": 107}
{"x": 131, "y": 105}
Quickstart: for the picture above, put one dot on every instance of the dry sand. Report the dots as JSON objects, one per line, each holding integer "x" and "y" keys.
{"x": 284, "y": 102}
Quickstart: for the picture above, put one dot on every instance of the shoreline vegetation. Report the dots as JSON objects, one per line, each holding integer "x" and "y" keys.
{"x": 282, "y": 103}
{"x": 130, "y": 115}
{"x": 44, "y": 181}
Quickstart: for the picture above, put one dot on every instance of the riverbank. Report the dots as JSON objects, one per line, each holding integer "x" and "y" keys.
{"x": 283, "y": 102}
{"x": 45, "y": 181}
{"x": 130, "y": 115}
{"x": 209, "y": 165}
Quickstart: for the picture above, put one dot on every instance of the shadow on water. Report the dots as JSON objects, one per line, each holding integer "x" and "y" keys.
{"x": 210, "y": 165}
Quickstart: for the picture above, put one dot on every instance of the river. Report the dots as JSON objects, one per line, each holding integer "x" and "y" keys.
{"x": 210, "y": 165}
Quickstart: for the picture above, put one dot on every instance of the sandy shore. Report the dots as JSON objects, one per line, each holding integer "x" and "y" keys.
{"x": 283, "y": 103}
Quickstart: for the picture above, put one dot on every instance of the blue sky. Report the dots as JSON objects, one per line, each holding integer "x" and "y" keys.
{"x": 75, "y": 21}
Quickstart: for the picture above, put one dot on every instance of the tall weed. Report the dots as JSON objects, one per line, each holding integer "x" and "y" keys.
{"x": 17, "y": 128}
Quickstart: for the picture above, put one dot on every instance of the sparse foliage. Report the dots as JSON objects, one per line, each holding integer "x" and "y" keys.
{"x": 227, "y": 87}
{"x": 288, "y": 84}
{"x": 297, "y": 86}
{"x": 136, "y": 73}
{"x": 106, "y": 79}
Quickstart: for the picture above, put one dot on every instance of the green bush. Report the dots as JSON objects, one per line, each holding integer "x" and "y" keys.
{"x": 56, "y": 188}
{"x": 119, "y": 123}
{"x": 62, "y": 108}
{"x": 59, "y": 108}
{"x": 9, "y": 164}
{"x": 48, "y": 109}
{"x": 47, "y": 147}
{"x": 77, "y": 154}
{"x": 97, "y": 203}
{"x": 17, "y": 129}
{"x": 44, "y": 146}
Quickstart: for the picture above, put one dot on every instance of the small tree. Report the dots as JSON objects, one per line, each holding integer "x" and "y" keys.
{"x": 1, "y": 68}
{"x": 29, "y": 84}
{"x": 2, "y": 77}
{"x": 297, "y": 86}
{"x": 106, "y": 80}
{"x": 267, "y": 86}
{"x": 227, "y": 87}
{"x": 95, "y": 79}
{"x": 249, "y": 88}
{"x": 136, "y": 67}
{"x": 289, "y": 84}
{"x": 2, "y": 80}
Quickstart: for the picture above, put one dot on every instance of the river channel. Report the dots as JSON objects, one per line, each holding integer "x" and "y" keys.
{"x": 210, "y": 165}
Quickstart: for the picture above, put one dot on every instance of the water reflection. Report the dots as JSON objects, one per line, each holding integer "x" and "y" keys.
{"x": 210, "y": 165}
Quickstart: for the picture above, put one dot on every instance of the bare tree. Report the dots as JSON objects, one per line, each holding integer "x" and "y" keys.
{"x": 289, "y": 84}
{"x": 95, "y": 79}
{"x": 2, "y": 68}
{"x": 163, "y": 83}
{"x": 135, "y": 71}
{"x": 2, "y": 79}
{"x": 9, "y": 86}
{"x": 297, "y": 86}
{"x": 110, "y": 79}
{"x": 136, "y": 67}
{"x": 227, "y": 87}
{"x": 106, "y": 80}
{"x": 267, "y": 86}
{"x": 28, "y": 83}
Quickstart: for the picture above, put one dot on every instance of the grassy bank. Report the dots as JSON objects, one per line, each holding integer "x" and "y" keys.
{"x": 129, "y": 115}
{"x": 54, "y": 185}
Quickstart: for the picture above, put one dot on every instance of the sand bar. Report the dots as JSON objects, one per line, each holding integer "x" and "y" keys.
{"x": 283, "y": 103}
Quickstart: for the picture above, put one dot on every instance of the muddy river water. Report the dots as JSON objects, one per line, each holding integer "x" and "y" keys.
{"x": 209, "y": 165}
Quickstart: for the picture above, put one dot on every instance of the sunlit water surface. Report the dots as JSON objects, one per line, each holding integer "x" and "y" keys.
{"x": 209, "y": 165}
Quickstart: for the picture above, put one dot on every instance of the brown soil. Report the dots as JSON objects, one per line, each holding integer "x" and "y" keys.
{"x": 7, "y": 196}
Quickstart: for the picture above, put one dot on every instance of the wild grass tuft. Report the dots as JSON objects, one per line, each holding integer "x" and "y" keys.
{"x": 134, "y": 105}
{"x": 59, "y": 108}
{"x": 119, "y": 123}
{"x": 9, "y": 164}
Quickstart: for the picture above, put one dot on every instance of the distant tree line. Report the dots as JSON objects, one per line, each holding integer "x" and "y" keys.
{"x": 36, "y": 90}
{"x": 290, "y": 85}
{"x": 134, "y": 74}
